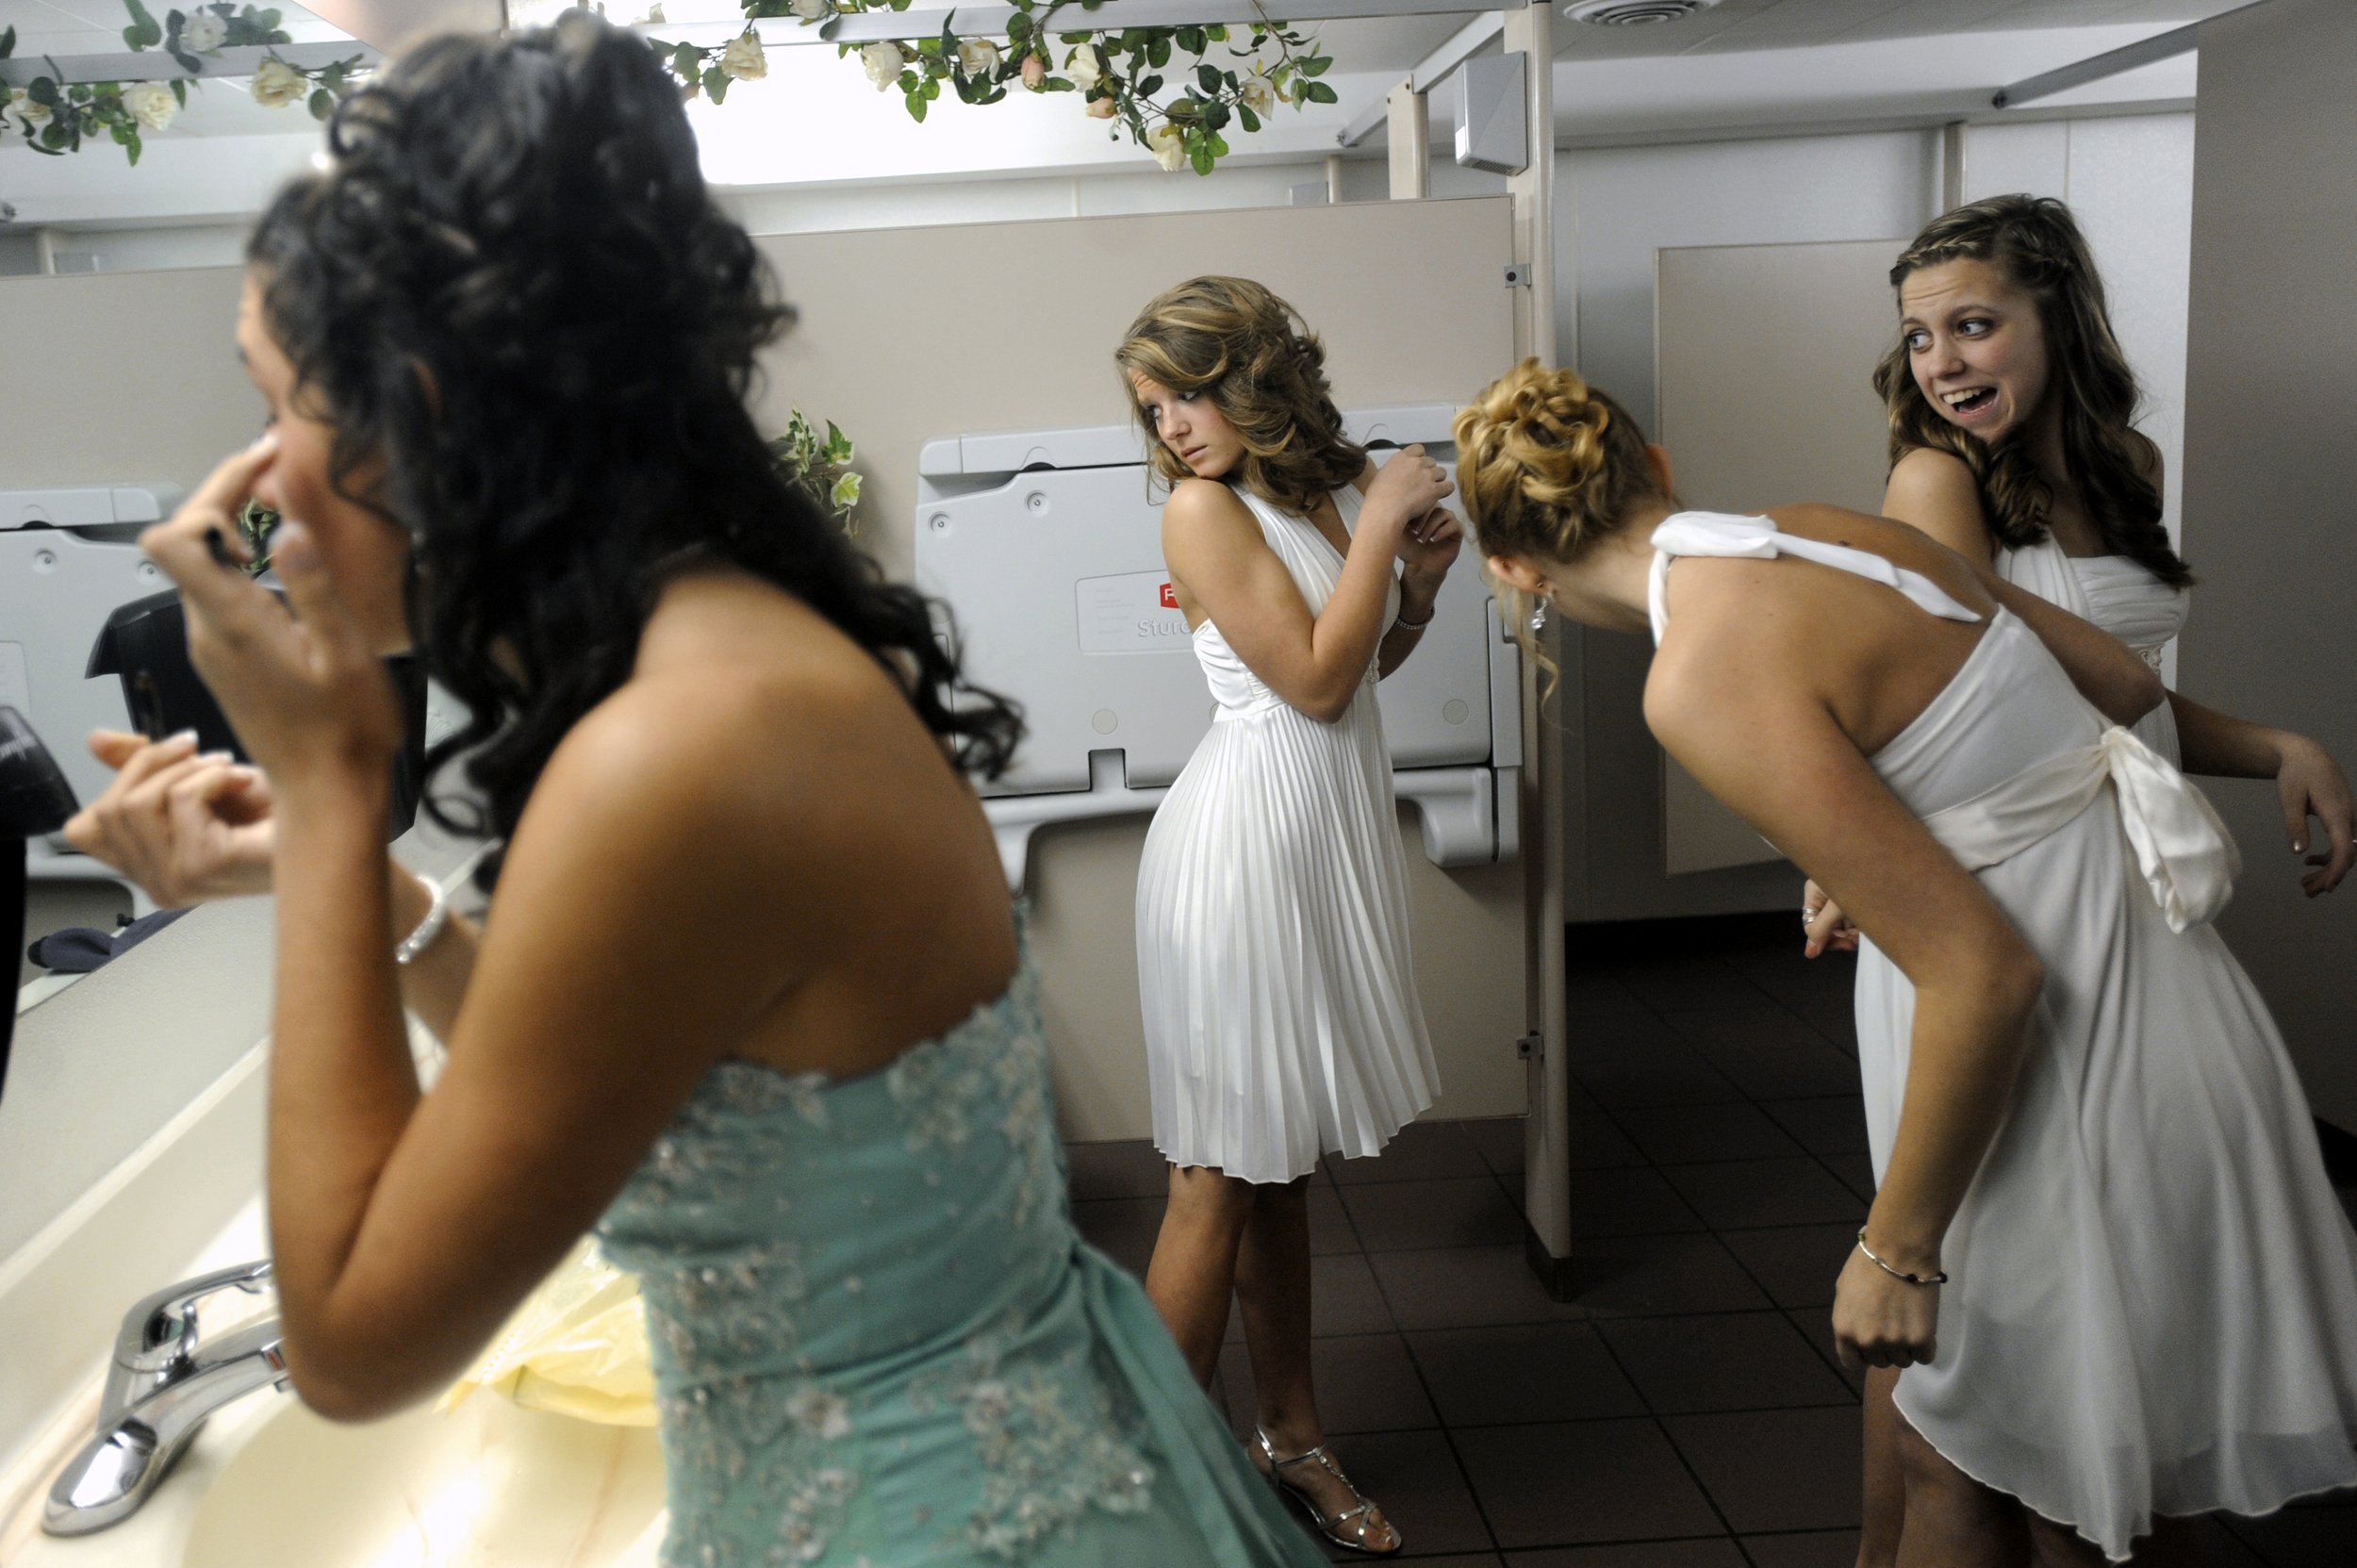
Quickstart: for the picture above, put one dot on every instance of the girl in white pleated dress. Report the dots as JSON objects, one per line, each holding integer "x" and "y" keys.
{"x": 1273, "y": 966}
{"x": 2009, "y": 404}
{"x": 2103, "y": 1247}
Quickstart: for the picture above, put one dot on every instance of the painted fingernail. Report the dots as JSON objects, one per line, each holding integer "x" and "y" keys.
{"x": 177, "y": 736}
{"x": 218, "y": 756}
{"x": 265, "y": 443}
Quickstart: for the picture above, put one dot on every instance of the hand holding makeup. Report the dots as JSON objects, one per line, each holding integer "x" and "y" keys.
{"x": 306, "y": 695}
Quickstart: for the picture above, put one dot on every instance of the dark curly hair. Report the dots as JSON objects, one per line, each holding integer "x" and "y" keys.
{"x": 2034, "y": 242}
{"x": 1231, "y": 340}
{"x": 514, "y": 291}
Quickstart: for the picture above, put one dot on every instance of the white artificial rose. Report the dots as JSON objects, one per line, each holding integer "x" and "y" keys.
{"x": 1103, "y": 109}
{"x": 743, "y": 60}
{"x": 21, "y": 105}
{"x": 202, "y": 32}
{"x": 150, "y": 104}
{"x": 978, "y": 56}
{"x": 883, "y": 60}
{"x": 811, "y": 11}
{"x": 276, "y": 84}
{"x": 1255, "y": 94}
{"x": 1168, "y": 144}
{"x": 1083, "y": 70}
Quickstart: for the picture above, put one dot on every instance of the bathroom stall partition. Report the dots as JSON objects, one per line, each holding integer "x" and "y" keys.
{"x": 913, "y": 336}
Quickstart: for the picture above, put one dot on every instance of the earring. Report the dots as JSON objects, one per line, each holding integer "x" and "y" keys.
{"x": 1539, "y": 618}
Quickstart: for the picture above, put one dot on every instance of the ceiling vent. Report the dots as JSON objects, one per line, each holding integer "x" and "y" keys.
{"x": 1629, "y": 14}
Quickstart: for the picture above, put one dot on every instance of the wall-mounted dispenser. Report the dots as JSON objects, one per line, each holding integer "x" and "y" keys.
{"x": 1046, "y": 548}
{"x": 1493, "y": 113}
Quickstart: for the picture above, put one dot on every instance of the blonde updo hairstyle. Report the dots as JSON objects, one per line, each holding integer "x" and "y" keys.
{"x": 1232, "y": 341}
{"x": 1547, "y": 466}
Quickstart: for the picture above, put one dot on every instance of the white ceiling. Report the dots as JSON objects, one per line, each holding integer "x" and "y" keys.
{"x": 95, "y": 26}
{"x": 1744, "y": 24}
{"x": 1746, "y": 66}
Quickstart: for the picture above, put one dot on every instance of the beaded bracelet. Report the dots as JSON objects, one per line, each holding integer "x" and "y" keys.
{"x": 1402, "y": 623}
{"x": 1940, "y": 1279}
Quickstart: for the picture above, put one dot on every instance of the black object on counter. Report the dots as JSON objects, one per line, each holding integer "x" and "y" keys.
{"x": 146, "y": 645}
{"x": 35, "y": 799}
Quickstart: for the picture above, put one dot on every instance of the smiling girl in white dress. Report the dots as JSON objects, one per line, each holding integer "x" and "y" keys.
{"x": 2009, "y": 404}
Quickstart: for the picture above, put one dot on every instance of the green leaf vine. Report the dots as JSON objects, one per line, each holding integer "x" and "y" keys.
{"x": 1175, "y": 89}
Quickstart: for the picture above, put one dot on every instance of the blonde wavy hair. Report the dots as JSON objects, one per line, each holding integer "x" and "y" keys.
{"x": 2036, "y": 242}
{"x": 1231, "y": 340}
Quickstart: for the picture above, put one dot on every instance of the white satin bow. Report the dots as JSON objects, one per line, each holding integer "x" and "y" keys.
{"x": 2188, "y": 859}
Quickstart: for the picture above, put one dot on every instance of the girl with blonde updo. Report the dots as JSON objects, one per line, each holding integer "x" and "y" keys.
{"x": 1281, "y": 1016}
{"x": 2113, "y": 1310}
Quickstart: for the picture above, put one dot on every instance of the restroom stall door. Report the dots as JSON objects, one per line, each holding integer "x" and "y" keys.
{"x": 911, "y": 335}
{"x": 1764, "y": 360}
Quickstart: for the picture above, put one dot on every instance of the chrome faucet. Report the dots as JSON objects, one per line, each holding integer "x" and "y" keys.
{"x": 165, "y": 1380}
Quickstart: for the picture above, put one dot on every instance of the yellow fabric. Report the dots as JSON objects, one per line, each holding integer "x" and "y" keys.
{"x": 577, "y": 1346}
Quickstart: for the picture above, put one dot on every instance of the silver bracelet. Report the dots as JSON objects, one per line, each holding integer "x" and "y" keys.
{"x": 1940, "y": 1279}
{"x": 436, "y": 916}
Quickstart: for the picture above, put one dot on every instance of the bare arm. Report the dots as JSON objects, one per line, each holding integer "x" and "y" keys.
{"x": 1426, "y": 551}
{"x": 2308, "y": 782}
{"x": 1741, "y": 713}
{"x": 1218, "y": 558}
{"x": 1934, "y": 493}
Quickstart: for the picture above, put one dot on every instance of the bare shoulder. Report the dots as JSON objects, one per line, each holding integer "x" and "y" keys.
{"x": 1207, "y": 510}
{"x": 1936, "y": 491}
{"x": 1901, "y": 543}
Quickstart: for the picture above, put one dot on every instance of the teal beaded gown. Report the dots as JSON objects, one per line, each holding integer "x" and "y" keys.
{"x": 878, "y": 1340}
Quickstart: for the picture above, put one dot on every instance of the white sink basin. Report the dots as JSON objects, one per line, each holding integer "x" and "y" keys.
{"x": 487, "y": 1485}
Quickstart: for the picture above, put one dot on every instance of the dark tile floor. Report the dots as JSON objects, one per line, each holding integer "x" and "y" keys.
{"x": 1684, "y": 1410}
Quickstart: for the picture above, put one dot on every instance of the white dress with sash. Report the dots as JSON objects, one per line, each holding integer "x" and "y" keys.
{"x": 2153, "y": 1303}
{"x": 1274, "y": 964}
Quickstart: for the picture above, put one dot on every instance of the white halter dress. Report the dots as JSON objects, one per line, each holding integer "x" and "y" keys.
{"x": 1273, "y": 966}
{"x": 2153, "y": 1304}
{"x": 2118, "y": 595}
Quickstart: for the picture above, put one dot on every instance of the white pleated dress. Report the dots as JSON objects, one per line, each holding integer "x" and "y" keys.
{"x": 1274, "y": 964}
{"x": 2152, "y": 1308}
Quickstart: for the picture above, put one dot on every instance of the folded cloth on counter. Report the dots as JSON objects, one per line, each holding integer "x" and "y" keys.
{"x": 78, "y": 949}
{"x": 577, "y": 1346}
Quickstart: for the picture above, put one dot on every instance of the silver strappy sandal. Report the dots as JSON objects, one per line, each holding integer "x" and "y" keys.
{"x": 1354, "y": 1528}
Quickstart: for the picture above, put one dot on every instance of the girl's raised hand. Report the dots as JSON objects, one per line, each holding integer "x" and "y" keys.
{"x": 1405, "y": 490}
{"x": 307, "y": 696}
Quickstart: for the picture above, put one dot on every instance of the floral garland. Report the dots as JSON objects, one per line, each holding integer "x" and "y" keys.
{"x": 1122, "y": 74}
{"x": 54, "y": 118}
{"x": 1135, "y": 76}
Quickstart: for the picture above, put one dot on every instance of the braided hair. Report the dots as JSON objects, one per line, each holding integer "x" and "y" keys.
{"x": 2035, "y": 242}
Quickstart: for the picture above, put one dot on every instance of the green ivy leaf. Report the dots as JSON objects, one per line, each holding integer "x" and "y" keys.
{"x": 688, "y": 62}
{"x": 1018, "y": 29}
{"x": 43, "y": 91}
{"x": 1320, "y": 93}
{"x": 180, "y": 91}
{"x": 185, "y": 61}
{"x": 1149, "y": 87}
{"x": 1251, "y": 121}
{"x": 916, "y": 106}
{"x": 8, "y": 42}
{"x": 55, "y": 135}
{"x": 715, "y": 83}
{"x": 1207, "y": 75}
{"x": 143, "y": 32}
{"x": 1158, "y": 52}
{"x": 1315, "y": 65}
{"x": 1214, "y": 115}
{"x": 1191, "y": 39}
{"x": 1201, "y": 158}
